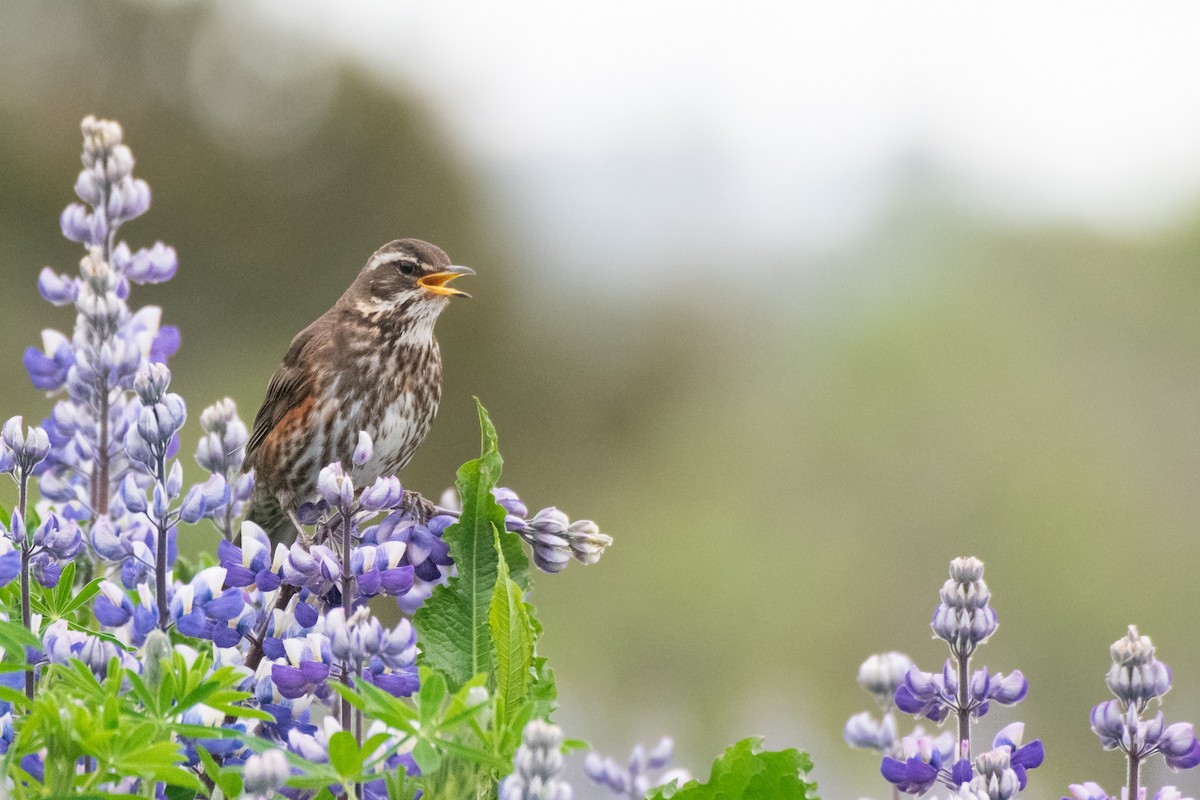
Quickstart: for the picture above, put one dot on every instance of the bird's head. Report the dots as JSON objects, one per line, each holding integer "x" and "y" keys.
{"x": 409, "y": 277}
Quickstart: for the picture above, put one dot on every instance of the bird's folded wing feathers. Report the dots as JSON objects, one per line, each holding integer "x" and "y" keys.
{"x": 290, "y": 386}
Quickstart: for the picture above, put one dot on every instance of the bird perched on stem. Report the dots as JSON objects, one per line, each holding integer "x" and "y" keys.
{"x": 370, "y": 364}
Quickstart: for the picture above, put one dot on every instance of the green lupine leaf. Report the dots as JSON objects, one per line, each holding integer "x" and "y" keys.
{"x": 746, "y": 771}
{"x": 512, "y": 634}
{"x": 453, "y": 625}
{"x": 344, "y": 754}
{"x": 13, "y": 636}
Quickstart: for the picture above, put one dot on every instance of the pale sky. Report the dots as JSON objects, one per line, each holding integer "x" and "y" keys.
{"x": 782, "y": 119}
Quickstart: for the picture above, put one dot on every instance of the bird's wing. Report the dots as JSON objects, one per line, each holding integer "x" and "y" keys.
{"x": 290, "y": 386}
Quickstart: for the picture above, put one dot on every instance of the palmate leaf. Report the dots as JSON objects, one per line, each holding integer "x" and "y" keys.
{"x": 744, "y": 770}
{"x": 456, "y": 638}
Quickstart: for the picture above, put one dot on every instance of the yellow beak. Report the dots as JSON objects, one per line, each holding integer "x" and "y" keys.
{"x": 439, "y": 282}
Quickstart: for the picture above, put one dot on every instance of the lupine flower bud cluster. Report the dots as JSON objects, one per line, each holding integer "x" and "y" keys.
{"x": 634, "y": 781}
{"x": 964, "y": 620}
{"x": 538, "y": 766}
{"x": 1135, "y": 678}
{"x": 880, "y": 676}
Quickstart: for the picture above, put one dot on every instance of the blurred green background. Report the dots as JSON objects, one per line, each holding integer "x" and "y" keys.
{"x": 788, "y": 431}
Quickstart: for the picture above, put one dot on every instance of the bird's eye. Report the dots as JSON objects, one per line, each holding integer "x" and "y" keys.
{"x": 407, "y": 268}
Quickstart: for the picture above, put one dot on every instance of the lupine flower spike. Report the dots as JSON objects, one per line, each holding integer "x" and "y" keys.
{"x": 1136, "y": 678}
{"x": 634, "y": 781}
{"x": 537, "y": 766}
{"x": 916, "y": 763}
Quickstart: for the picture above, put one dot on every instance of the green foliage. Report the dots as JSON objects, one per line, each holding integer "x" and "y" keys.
{"x": 123, "y": 727}
{"x": 478, "y": 631}
{"x": 745, "y": 771}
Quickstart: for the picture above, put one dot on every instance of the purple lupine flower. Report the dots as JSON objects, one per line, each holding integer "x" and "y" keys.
{"x": 317, "y": 568}
{"x": 377, "y": 569}
{"x": 1021, "y": 757}
{"x": 634, "y": 780}
{"x": 1135, "y": 678}
{"x": 10, "y": 559}
{"x": 963, "y": 619}
{"x": 537, "y": 766}
{"x": 205, "y": 500}
{"x": 424, "y": 549}
{"x": 934, "y": 695}
{"x": 921, "y": 766}
{"x": 383, "y": 495}
{"x": 304, "y": 671}
{"x": 253, "y": 562}
{"x": 48, "y": 367}
{"x": 389, "y": 657}
{"x": 202, "y": 610}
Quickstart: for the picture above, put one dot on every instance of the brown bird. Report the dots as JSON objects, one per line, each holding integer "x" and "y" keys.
{"x": 370, "y": 364}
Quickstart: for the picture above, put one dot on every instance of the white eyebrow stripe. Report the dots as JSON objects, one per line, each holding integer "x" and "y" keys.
{"x": 386, "y": 258}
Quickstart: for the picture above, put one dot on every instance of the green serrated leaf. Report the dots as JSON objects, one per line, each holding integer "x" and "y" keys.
{"x": 455, "y": 637}
{"x": 745, "y": 770}
{"x": 508, "y": 618}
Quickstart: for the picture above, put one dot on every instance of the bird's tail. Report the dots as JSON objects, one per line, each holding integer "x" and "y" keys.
{"x": 266, "y": 512}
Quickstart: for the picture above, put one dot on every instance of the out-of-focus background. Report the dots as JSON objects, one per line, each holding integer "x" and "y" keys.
{"x": 798, "y": 300}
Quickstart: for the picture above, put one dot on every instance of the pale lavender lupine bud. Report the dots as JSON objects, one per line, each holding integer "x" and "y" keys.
{"x": 363, "y": 450}
{"x": 28, "y": 448}
{"x": 1169, "y": 793}
{"x": 385, "y": 493}
{"x": 222, "y": 447}
{"x": 537, "y": 766}
{"x": 964, "y": 619}
{"x": 335, "y": 486}
{"x": 57, "y": 289}
{"x": 586, "y": 541}
{"x": 152, "y": 265}
{"x": 864, "y": 731}
{"x": 151, "y": 383}
{"x": 265, "y": 773}
{"x": 881, "y": 674}
{"x": 1088, "y": 791}
{"x": 76, "y": 224}
{"x": 995, "y": 778}
{"x": 174, "y": 479}
{"x": 1136, "y": 676}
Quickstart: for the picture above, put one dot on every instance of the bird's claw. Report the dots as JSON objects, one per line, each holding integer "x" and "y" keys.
{"x": 417, "y": 506}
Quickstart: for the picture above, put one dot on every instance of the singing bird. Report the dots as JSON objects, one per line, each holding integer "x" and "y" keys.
{"x": 370, "y": 363}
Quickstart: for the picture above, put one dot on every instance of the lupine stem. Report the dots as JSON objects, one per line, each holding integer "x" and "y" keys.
{"x": 347, "y": 606}
{"x": 160, "y": 567}
{"x": 1132, "y": 781}
{"x": 100, "y": 481}
{"x": 964, "y": 708}
{"x": 26, "y": 611}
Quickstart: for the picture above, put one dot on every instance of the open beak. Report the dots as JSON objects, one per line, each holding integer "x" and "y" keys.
{"x": 439, "y": 282}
